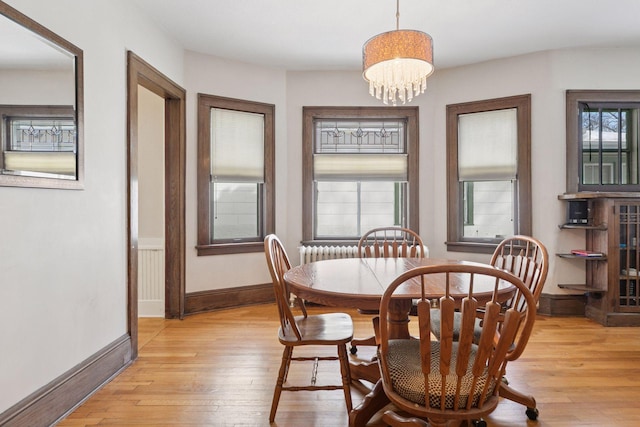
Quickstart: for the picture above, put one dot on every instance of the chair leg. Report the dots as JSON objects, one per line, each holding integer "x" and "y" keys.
{"x": 395, "y": 420}
{"x": 288, "y": 365}
{"x": 370, "y": 341}
{"x": 346, "y": 375}
{"x": 514, "y": 395}
{"x": 376, "y": 328}
{"x": 282, "y": 374}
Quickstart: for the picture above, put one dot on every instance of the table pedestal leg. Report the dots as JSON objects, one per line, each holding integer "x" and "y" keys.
{"x": 398, "y": 328}
{"x": 376, "y": 399}
{"x": 399, "y": 318}
{"x": 368, "y": 371}
{"x": 372, "y": 403}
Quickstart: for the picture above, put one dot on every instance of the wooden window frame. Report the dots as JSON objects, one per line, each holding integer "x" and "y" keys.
{"x": 310, "y": 114}
{"x": 455, "y": 218}
{"x": 573, "y": 100}
{"x": 205, "y": 104}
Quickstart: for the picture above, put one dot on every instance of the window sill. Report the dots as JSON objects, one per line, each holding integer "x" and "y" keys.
{"x": 599, "y": 195}
{"x": 472, "y": 247}
{"x": 230, "y": 248}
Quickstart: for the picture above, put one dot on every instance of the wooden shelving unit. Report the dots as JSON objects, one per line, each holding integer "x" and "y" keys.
{"x": 582, "y": 227}
{"x": 586, "y": 258}
{"x": 583, "y": 288}
{"x": 612, "y": 281}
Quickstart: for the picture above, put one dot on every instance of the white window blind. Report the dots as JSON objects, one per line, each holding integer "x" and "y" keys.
{"x": 53, "y": 162}
{"x": 487, "y": 145}
{"x": 360, "y": 167}
{"x": 237, "y": 146}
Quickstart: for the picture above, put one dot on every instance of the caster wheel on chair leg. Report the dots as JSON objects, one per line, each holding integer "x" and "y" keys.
{"x": 480, "y": 423}
{"x": 532, "y": 413}
{"x": 353, "y": 349}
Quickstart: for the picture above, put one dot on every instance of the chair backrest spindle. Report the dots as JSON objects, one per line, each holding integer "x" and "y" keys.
{"x": 527, "y": 258}
{"x": 463, "y": 374}
{"x": 391, "y": 242}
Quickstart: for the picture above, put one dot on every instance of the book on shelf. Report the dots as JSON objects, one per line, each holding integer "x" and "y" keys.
{"x": 586, "y": 253}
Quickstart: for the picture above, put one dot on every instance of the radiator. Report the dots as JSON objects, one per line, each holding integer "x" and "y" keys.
{"x": 151, "y": 280}
{"x": 316, "y": 253}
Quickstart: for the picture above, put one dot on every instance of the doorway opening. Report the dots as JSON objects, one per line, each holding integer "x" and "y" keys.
{"x": 140, "y": 73}
{"x": 151, "y": 204}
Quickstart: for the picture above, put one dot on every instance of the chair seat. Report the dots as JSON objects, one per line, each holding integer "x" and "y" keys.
{"x": 457, "y": 319}
{"x": 320, "y": 329}
{"x": 405, "y": 368}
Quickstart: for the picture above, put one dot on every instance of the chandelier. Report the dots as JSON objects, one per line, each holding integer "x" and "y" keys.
{"x": 397, "y": 63}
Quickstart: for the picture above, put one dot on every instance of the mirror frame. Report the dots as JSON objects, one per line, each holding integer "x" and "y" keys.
{"x": 28, "y": 181}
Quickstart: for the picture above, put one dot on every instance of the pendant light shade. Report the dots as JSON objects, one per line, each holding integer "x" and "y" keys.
{"x": 397, "y": 63}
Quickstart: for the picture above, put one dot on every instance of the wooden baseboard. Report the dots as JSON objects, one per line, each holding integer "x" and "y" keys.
{"x": 562, "y": 305}
{"x": 198, "y": 302}
{"x": 612, "y": 319}
{"x": 55, "y": 400}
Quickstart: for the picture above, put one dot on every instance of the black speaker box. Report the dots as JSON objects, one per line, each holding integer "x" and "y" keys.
{"x": 578, "y": 212}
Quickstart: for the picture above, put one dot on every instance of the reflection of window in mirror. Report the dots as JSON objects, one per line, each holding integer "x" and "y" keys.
{"x": 602, "y": 140}
{"x": 38, "y": 142}
{"x": 40, "y": 106}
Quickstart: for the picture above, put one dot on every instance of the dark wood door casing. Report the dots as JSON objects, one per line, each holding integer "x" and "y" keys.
{"x": 141, "y": 73}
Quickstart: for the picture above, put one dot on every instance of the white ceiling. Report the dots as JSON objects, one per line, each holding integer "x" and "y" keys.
{"x": 329, "y": 34}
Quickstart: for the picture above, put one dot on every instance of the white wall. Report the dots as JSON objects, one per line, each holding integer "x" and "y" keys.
{"x": 220, "y": 77}
{"x": 151, "y": 204}
{"x": 349, "y": 89}
{"x": 30, "y": 87}
{"x": 150, "y": 165}
{"x": 63, "y": 253}
{"x": 545, "y": 76}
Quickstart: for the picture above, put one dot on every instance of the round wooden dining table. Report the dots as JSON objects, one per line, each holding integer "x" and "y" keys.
{"x": 361, "y": 282}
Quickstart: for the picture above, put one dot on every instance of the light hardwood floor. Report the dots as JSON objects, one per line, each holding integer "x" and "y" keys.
{"x": 219, "y": 369}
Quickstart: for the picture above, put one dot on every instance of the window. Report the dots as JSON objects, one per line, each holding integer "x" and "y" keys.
{"x": 39, "y": 142}
{"x": 359, "y": 171}
{"x": 489, "y": 172}
{"x": 235, "y": 175}
{"x": 602, "y": 140}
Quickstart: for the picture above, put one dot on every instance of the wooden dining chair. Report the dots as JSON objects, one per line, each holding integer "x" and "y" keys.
{"x": 331, "y": 329}
{"x": 437, "y": 381}
{"x": 387, "y": 242}
{"x": 528, "y": 259}
{"x": 390, "y": 242}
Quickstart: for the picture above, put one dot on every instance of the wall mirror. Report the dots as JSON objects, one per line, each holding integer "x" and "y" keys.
{"x": 41, "y": 105}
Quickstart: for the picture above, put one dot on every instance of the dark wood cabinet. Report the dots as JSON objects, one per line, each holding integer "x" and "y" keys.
{"x": 612, "y": 280}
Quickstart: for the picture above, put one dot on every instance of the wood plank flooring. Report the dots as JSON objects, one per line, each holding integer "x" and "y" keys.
{"x": 219, "y": 369}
